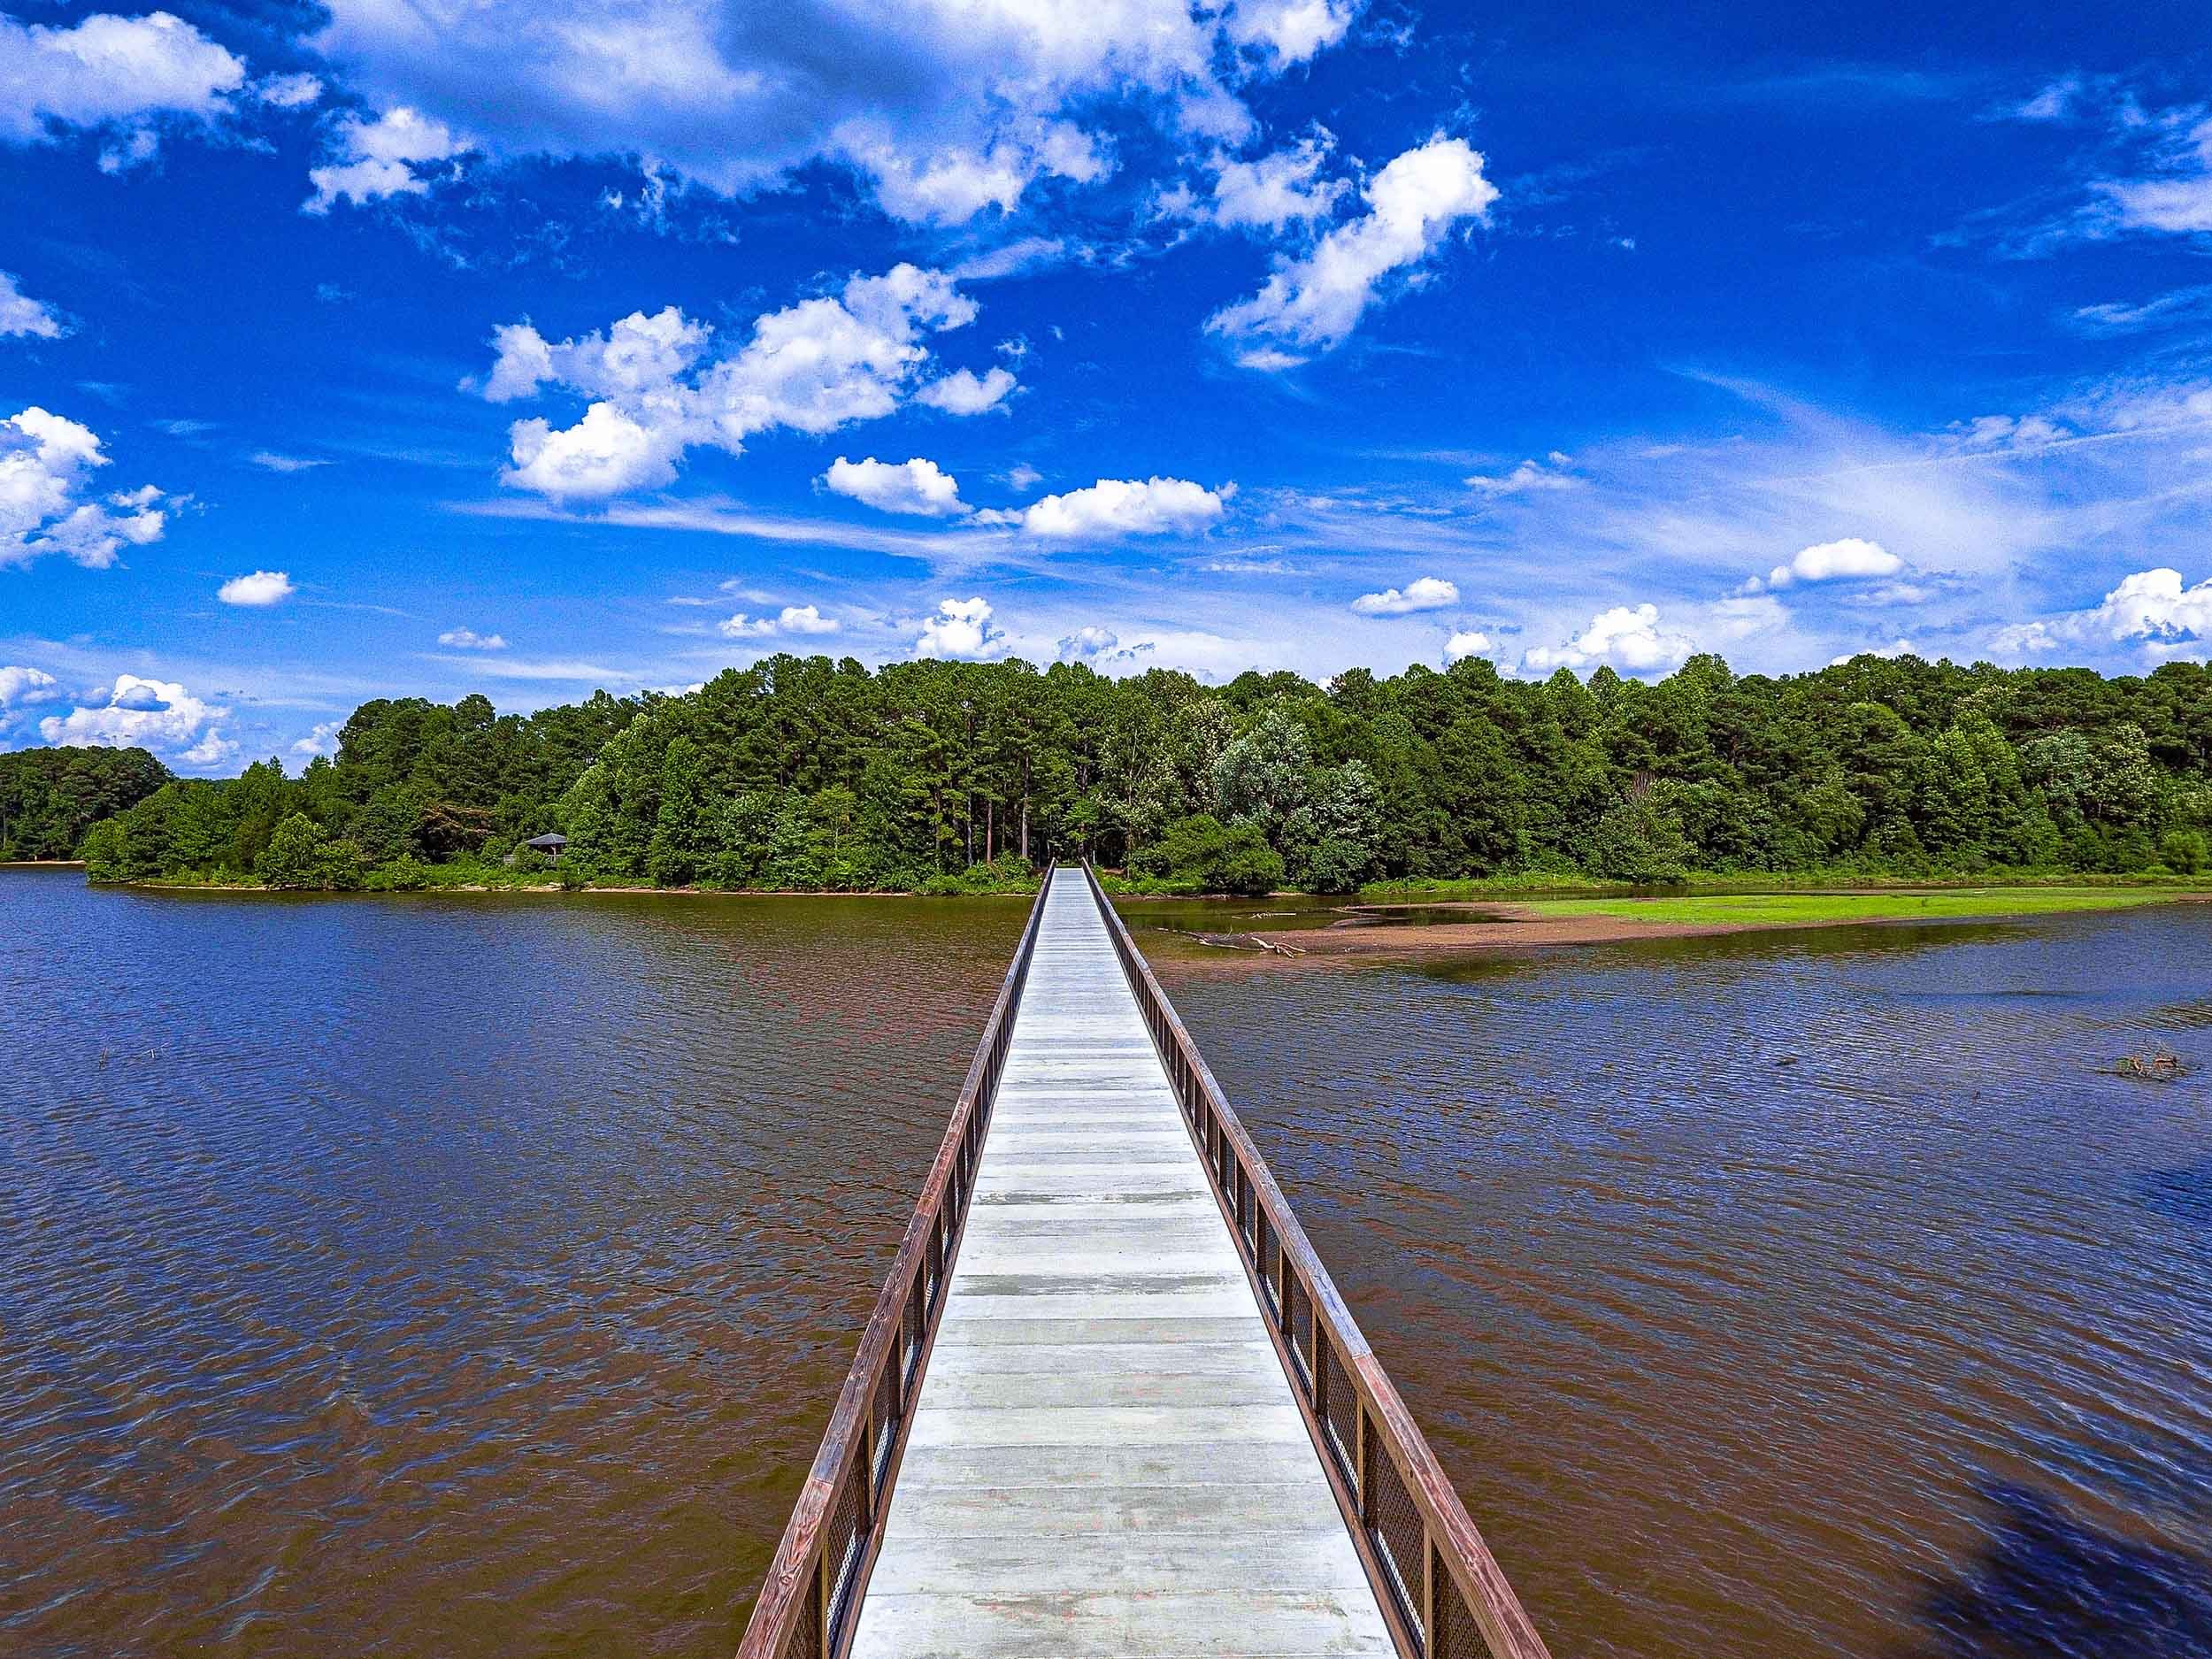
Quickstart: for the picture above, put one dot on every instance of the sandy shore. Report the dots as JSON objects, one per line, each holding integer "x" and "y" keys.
{"x": 1510, "y": 927}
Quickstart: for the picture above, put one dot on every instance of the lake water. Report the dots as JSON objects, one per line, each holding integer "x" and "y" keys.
{"x": 445, "y": 1276}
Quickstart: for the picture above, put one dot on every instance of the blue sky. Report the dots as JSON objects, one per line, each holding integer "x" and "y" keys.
{"x": 420, "y": 348}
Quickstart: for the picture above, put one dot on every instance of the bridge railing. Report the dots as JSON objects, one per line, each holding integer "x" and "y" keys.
{"x": 1442, "y": 1590}
{"x": 810, "y": 1600}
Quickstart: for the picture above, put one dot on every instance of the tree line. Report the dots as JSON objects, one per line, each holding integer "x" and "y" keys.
{"x": 49, "y": 797}
{"x": 805, "y": 774}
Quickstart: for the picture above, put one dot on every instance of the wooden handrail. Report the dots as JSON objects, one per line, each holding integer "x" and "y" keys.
{"x": 1423, "y": 1613}
{"x": 820, "y": 1569}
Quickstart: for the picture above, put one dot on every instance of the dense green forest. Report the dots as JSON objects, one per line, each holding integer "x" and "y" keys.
{"x": 809, "y": 774}
{"x": 49, "y": 797}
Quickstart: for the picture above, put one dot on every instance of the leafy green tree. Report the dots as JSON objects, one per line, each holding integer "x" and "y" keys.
{"x": 1637, "y": 840}
{"x": 1263, "y": 778}
{"x": 49, "y": 797}
{"x": 106, "y": 851}
{"x": 683, "y": 839}
{"x": 1347, "y": 817}
{"x": 2186, "y": 852}
{"x": 1200, "y": 854}
{"x": 294, "y": 855}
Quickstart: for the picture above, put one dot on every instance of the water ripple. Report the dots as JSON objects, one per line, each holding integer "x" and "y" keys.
{"x": 443, "y": 1276}
{"x": 1814, "y": 1294}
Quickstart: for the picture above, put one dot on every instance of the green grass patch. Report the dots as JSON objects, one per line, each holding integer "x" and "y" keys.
{"x": 1785, "y": 910}
{"x": 1566, "y": 884}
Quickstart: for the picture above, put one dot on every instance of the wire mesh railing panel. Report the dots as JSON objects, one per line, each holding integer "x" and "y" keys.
{"x": 1456, "y": 1636}
{"x": 1298, "y": 1320}
{"x": 806, "y": 1636}
{"x": 883, "y": 1414}
{"x": 841, "y": 1547}
{"x": 1271, "y": 1263}
{"x": 1395, "y": 1526}
{"x": 1343, "y": 1412}
{"x": 910, "y": 1330}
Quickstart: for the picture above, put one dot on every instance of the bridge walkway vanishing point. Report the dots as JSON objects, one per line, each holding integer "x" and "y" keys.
{"x": 1105, "y": 1457}
{"x": 1109, "y": 1403}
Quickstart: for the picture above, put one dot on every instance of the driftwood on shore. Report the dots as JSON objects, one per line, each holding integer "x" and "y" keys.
{"x": 1240, "y": 941}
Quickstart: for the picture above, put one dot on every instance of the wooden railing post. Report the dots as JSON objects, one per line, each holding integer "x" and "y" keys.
{"x": 1430, "y": 1570}
{"x": 827, "y": 1594}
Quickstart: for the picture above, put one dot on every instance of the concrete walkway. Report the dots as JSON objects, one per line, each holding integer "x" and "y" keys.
{"x": 1106, "y": 1458}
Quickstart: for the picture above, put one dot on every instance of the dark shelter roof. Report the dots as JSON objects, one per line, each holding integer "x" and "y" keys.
{"x": 555, "y": 840}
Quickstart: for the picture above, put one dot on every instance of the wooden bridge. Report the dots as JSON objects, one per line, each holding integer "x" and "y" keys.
{"x": 1109, "y": 1402}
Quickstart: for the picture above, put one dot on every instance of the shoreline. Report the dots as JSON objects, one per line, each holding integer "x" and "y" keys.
{"x": 1526, "y": 927}
{"x": 1493, "y": 926}
{"x": 552, "y": 888}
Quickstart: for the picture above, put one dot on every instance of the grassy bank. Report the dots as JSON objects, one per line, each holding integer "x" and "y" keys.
{"x": 1789, "y": 910}
{"x": 1521, "y": 885}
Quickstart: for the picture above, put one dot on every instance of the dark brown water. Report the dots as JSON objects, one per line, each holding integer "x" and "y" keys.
{"x": 465, "y": 1277}
{"x": 445, "y": 1276}
{"x": 1799, "y": 1295}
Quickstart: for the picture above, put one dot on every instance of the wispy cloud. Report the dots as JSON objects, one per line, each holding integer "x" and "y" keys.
{"x": 568, "y": 670}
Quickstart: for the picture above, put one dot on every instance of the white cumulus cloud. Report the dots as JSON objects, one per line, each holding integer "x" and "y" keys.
{"x": 964, "y": 392}
{"x": 21, "y": 687}
{"x": 2154, "y": 610}
{"x": 46, "y": 505}
{"x": 1120, "y": 506}
{"x": 286, "y": 92}
{"x": 121, "y": 75}
{"x": 376, "y": 159}
{"x": 1290, "y": 31}
{"x": 21, "y": 314}
{"x": 322, "y": 739}
{"x": 1413, "y": 204}
{"x": 606, "y": 453}
{"x": 637, "y": 356}
{"x": 1424, "y": 592}
{"x": 156, "y": 714}
{"x": 946, "y": 108}
{"x": 917, "y": 486}
{"x": 790, "y": 619}
{"x": 1626, "y": 637}
{"x": 1826, "y": 561}
{"x": 469, "y": 640}
{"x": 952, "y": 185}
{"x": 1466, "y": 642}
{"x": 1273, "y": 191}
{"x": 256, "y": 587}
{"x": 962, "y": 629}
{"x": 1102, "y": 648}
{"x": 813, "y": 366}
